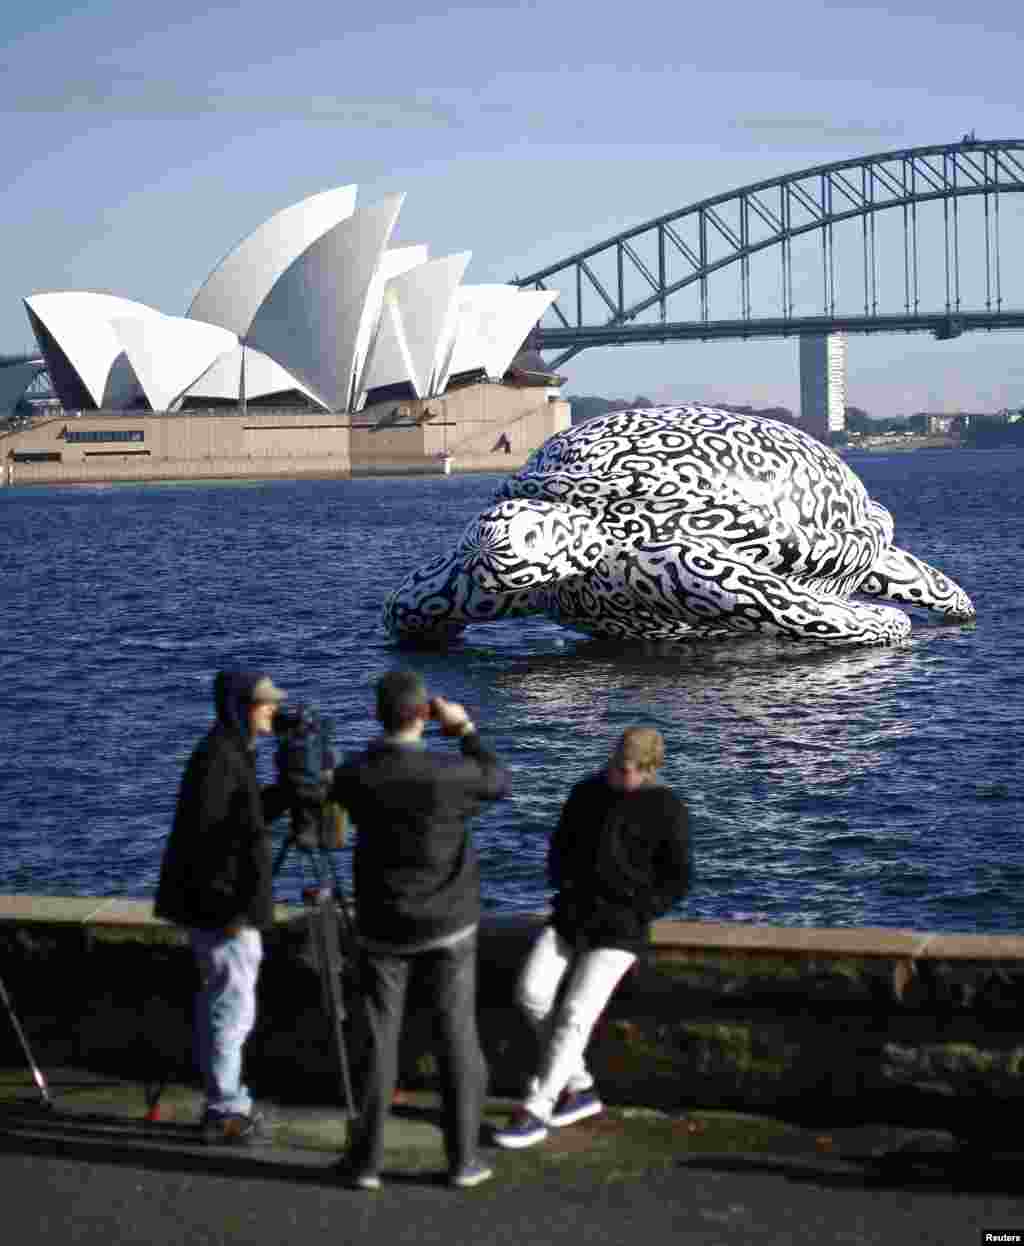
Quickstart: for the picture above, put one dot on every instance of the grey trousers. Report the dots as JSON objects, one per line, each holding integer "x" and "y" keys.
{"x": 445, "y": 981}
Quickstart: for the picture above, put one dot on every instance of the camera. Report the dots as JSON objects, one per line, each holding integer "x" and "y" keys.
{"x": 304, "y": 759}
{"x": 305, "y": 754}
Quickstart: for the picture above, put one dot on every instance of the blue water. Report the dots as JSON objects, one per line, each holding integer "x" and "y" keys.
{"x": 860, "y": 787}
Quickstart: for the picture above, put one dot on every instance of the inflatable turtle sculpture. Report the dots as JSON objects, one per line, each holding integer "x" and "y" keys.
{"x": 673, "y": 523}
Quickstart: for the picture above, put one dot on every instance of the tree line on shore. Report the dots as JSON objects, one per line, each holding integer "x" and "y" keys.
{"x": 973, "y": 430}
{"x": 586, "y": 407}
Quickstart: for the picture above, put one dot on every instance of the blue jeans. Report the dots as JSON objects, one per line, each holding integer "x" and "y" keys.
{"x": 225, "y": 1013}
{"x": 447, "y": 977}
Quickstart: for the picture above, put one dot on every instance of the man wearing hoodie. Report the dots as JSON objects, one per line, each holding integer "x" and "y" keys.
{"x": 416, "y": 878}
{"x": 216, "y": 880}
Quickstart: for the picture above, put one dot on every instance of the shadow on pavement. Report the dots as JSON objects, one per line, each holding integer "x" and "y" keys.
{"x": 965, "y": 1172}
{"x": 98, "y": 1137}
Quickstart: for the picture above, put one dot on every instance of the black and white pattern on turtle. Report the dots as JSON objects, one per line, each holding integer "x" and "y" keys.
{"x": 673, "y": 522}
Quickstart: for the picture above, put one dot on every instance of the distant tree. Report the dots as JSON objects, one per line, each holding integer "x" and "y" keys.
{"x": 765, "y": 413}
{"x": 982, "y": 433}
{"x": 584, "y": 407}
{"x": 858, "y": 421}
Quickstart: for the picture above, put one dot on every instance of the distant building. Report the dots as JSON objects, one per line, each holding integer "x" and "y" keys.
{"x": 823, "y": 384}
{"x": 944, "y": 424}
{"x": 947, "y": 423}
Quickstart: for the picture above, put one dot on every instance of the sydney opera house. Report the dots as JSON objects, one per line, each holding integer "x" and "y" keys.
{"x": 314, "y": 347}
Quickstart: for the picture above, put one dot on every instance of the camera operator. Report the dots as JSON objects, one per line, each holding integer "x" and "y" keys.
{"x": 216, "y": 880}
{"x": 619, "y": 857}
{"x": 416, "y": 878}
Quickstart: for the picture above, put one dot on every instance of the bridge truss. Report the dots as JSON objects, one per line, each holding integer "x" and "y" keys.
{"x": 904, "y": 240}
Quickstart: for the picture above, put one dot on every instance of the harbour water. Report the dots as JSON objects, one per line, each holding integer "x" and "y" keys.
{"x": 828, "y": 787}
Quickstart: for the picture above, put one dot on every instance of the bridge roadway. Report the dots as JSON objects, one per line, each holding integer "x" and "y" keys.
{"x": 941, "y": 325}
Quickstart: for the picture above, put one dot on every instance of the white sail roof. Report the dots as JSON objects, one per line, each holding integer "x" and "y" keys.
{"x": 222, "y": 380}
{"x": 99, "y": 333}
{"x": 415, "y": 325}
{"x": 233, "y": 292}
{"x": 393, "y": 262}
{"x": 314, "y": 318}
{"x": 168, "y": 353}
{"x": 491, "y": 325}
{"x": 80, "y": 322}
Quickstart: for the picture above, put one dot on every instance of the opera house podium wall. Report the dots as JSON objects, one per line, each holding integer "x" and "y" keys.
{"x": 482, "y": 427}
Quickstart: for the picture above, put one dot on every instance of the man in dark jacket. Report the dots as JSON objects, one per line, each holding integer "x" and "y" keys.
{"x": 416, "y": 879}
{"x": 619, "y": 857}
{"x": 216, "y": 880}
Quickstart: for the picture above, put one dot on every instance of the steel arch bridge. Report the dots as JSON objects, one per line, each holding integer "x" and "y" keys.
{"x": 900, "y": 241}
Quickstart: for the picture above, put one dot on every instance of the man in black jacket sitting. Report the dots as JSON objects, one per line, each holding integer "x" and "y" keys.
{"x": 416, "y": 879}
{"x": 619, "y": 858}
{"x": 216, "y": 880}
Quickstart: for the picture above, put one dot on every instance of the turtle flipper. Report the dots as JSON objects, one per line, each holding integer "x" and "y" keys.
{"x": 684, "y": 588}
{"x": 899, "y": 576}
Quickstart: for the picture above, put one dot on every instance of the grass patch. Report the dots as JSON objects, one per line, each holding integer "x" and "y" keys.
{"x": 628, "y": 1142}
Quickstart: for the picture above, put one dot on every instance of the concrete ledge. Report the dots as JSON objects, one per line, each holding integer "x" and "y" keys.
{"x": 844, "y": 1024}
{"x": 669, "y": 937}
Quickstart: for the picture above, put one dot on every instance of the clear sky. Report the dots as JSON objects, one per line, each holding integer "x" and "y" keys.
{"x": 143, "y": 140}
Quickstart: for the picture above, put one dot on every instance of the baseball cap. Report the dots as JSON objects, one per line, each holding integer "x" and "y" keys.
{"x": 266, "y": 692}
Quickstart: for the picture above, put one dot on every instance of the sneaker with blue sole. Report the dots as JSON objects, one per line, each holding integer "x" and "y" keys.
{"x": 575, "y": 1105}
{"x": 466, "y": 1176}
{"x": 523, "y": 1130}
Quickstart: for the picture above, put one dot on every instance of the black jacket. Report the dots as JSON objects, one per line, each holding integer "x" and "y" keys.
{"x": 415, "y": 869}
{"x": 617, "y": 860}
{"x": 217, "y": 865}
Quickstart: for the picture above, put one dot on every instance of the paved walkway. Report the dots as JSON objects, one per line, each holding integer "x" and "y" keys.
{"x": 92, "y": 1169}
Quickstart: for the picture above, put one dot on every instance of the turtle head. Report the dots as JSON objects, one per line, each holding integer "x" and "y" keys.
{"x": 522, "y": 543}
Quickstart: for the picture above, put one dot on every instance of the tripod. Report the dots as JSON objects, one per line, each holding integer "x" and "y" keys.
{"x": 37, "y": 1075}
{"x": 331, "y": 931}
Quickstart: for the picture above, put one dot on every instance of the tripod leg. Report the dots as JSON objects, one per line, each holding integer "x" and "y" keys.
{"x": 37, "y": 1075}
{"x": 324, "y": 918}
{"x": 153, "y": 1092}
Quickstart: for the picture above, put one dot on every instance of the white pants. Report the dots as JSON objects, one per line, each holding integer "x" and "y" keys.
{"x": 563, "y": 1035}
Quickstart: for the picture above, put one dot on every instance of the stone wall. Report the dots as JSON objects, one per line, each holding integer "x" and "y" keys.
{"x": 197, "y": 445}
{"x": 482, "y": 427}
{"x": 823, "y": 1026}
